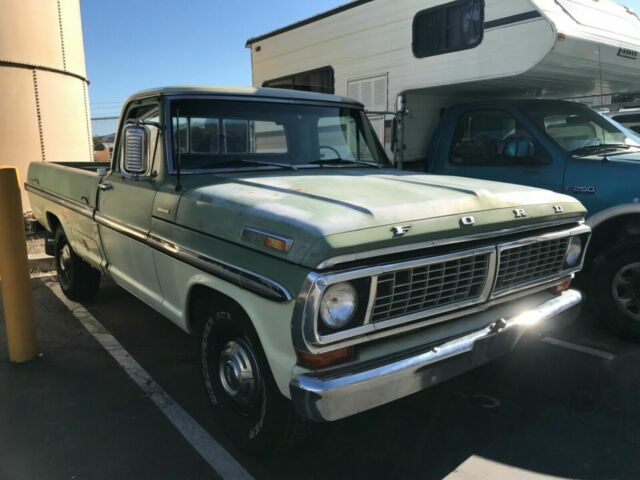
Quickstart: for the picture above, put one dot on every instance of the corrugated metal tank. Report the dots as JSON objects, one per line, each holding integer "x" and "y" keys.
{"x": 44, "y": 112}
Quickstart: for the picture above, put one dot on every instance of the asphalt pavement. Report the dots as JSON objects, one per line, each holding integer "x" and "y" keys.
{"x": 566, "y": 406}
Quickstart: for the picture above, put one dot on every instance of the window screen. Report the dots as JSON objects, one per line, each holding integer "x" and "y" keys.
{"x": 448, "y": 28}
{"x": 320, "y": 81}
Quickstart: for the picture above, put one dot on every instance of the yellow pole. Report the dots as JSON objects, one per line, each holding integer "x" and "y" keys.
{"x": 14, "y": 271}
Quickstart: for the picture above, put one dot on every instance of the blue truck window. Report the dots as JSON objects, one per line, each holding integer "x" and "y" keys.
{"x": 494, "y": 137}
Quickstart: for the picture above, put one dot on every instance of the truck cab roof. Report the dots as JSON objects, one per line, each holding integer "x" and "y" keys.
{"x": 253, "y": 92}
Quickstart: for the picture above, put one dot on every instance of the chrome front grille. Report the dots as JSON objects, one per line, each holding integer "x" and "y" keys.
{"x": 443, "y": 284}
{"x": 529, "y": 263}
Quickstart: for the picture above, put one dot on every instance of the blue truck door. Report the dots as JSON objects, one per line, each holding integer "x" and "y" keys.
{"x": 476, "y": 146}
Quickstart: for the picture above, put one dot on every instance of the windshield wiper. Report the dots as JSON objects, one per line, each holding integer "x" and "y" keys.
{"x": 269, "y": 164}
{"x": 344, "y": 161}
{"x": 591, "y": 149}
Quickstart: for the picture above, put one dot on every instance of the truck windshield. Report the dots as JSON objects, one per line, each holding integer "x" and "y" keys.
{"x": 216, "y": 134}
{"x": 580, "y": 130}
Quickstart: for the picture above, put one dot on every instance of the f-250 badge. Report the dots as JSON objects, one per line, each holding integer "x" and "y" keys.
{"x": 581, "y": 189}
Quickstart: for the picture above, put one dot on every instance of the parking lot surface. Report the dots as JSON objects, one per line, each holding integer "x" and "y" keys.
{"x": 567, "y": 406}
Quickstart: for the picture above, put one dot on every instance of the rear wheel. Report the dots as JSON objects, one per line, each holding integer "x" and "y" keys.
{"x": 615, "y": 287}
{"x": 78, "y": 280}
{"x": 243, "y": 394}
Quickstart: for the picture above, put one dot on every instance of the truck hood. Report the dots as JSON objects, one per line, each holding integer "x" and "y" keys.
{"x": 328, "y": 212}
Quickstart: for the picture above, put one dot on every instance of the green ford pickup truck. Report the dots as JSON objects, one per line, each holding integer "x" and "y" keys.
{"x": 321, "y": 281}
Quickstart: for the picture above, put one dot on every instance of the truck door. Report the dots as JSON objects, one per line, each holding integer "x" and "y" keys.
{"x": 494, "y": 144}
{"x": 125, "y": 205}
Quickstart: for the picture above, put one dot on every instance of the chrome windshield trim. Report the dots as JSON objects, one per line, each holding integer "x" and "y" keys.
{"x": 77, "y": 207}
{"x": 352, "y": 257}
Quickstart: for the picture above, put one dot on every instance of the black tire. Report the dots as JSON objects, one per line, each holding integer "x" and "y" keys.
{"x": 78, "y": 280}
{"x": 259, "y": 419}
{"x": 615, "y": 287}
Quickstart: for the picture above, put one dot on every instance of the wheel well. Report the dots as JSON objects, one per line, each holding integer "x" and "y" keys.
{"x": 200, "y": 301}
{"x": 53, "y": 222}
{"x": 612, "y": 231}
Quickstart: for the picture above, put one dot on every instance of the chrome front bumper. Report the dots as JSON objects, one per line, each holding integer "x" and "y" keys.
{"x": 337, "y": 393}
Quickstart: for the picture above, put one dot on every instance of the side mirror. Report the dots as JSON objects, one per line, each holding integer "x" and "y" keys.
{"x": 518, "y": 148}
{"x": 135, "y": 153}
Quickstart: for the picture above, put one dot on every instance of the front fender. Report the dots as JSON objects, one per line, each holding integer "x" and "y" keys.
{"x": 612, "y": 212}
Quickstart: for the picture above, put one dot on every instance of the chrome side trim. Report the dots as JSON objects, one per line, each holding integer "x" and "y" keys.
{"x": 245, "y": 279}
{"x": 342, "y": 391}
{"x": 352, "y": 257}
{"x": 113, "y": 224}
{"x": 258, "y": 284}
{"x": 59, "y": 199}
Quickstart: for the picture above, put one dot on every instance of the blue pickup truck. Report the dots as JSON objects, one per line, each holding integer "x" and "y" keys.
{"x": 570, "y": 148}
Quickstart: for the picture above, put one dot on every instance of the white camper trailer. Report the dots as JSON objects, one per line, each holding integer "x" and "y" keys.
{"x": 434, "y": 53}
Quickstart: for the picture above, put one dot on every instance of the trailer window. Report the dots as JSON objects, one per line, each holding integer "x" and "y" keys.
{"x": 448, "y": 28}
{"x": 481, "y": 136}
{"x": 320, "y": 81}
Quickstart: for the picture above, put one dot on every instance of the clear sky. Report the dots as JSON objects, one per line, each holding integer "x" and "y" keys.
{"x": 131, "y": 45}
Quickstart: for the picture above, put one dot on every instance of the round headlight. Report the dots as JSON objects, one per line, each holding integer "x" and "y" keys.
{"x": 574, "y": 253}
{"x": 338, "y": 305}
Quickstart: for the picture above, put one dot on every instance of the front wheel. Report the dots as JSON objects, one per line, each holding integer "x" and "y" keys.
{"x": 615, "y": 287}
{"x": 78, "y": 280}
{"x": 243, "y": 394}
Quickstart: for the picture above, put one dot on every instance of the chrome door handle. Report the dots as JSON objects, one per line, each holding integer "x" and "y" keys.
{"x": 105, "y": 186}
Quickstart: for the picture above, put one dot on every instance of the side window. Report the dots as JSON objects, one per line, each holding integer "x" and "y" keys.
{"x": 448, "y": 28}
{"x": 340, "y": 138}
{"x": 493, "y": 137}
{"x": 320, "y": 81}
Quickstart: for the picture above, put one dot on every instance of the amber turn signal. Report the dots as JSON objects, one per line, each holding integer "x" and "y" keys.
{"x": 275, "y": 243}
{"x": 563, "y": 287}
{"x": 314, "y": 362}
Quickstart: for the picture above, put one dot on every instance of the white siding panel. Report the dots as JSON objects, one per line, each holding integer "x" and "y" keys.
{"x": 376, "y": 37}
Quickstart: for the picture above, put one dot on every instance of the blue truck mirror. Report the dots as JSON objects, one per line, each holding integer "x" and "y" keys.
{"x": 518, "y": 148}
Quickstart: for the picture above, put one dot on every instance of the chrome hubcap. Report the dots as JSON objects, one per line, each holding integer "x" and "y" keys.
{"x": 65, "y": 258}
{"x": 238, "y": 372}
{"x": 626, "y": 290}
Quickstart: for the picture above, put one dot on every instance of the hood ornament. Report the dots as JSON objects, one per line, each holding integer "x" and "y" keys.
{"x": 400, "y": 230}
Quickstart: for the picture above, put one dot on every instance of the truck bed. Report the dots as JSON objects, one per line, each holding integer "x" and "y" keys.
{"x": 76, "y": 182}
